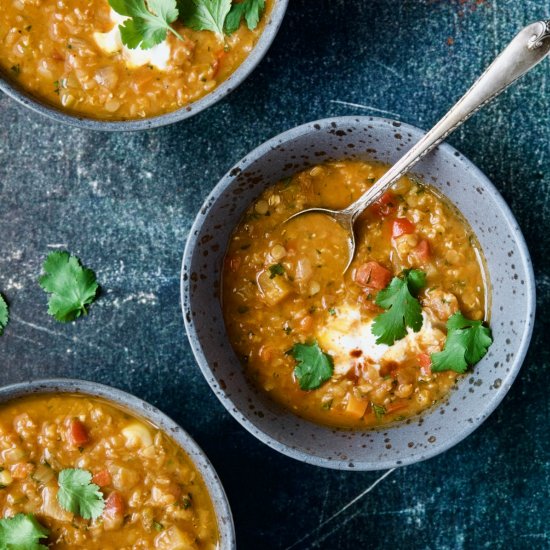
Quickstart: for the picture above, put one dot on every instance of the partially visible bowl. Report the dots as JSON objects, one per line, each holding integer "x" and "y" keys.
{"x": 11, "y": 88}
{"x": 143, "y": 410}
{"x": 512, "y": 304}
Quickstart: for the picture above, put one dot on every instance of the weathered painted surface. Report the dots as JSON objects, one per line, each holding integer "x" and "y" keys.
{"x": 124, "y": 204}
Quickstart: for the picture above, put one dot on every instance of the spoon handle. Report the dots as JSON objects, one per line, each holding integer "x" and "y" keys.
{"x": 526, "y": 50}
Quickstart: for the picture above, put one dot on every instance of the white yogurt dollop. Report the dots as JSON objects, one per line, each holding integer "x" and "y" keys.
{"x": 349, "y": 340}
{"x": 111, "y": 42}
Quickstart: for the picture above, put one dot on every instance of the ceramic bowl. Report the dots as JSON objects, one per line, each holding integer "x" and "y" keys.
{"x": 10, "y": 87}
{"x": 148, "y": 412}
{"x": 509, "y": 266}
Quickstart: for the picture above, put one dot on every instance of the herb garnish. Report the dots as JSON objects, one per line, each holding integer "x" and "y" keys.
{"x": 205, "y": 15}
{"x": 404, "y": 309}
{"x": 379, "y": 410}
{"x": 250, "y": 10}
{"x": 22, "y": 532}
{"x": 467, "y": 342}
{"x": 277, "y": 269}
{"x": 4, "y": 314}
{"x": 72, "y": 286}
{"x": 77, "y": 494}
{"x": 148, "y": 23}
{"x": 314, "y": 366}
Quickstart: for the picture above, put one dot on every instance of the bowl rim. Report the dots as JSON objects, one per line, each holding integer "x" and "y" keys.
{"x": 194, "y": 341}
{"x": 141, "y": 409}
{"x": 234, "y": 80}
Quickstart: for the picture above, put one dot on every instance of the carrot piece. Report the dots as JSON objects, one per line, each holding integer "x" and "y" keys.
{"x": 356, "y": 407}
{"x": 102, "y": 478}
{"x": 372, "y": 275}
{"x": 402, "y": 226}
{"x": 78, "y": 434}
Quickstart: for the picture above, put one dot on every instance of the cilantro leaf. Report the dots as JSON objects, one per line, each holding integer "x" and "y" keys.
{"x": 379, "y": 410}
{"x": 71, "y": 286}
{"x": 205, "y": 15}
{"x": 77, "y": 494}
{"x": 4, "y": 314}
{"x": 22, "y": 532}
{"x": 251, "y": 10}
{"x": 276, "y": 269}
{"x": 404, "y": 310}
{"x": 148, "y": 23}
{"x": 314, "y": 366}
{"x": 467, "y": 342}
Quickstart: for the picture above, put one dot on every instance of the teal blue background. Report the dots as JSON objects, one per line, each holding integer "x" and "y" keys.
{"x": 124, "y": 204}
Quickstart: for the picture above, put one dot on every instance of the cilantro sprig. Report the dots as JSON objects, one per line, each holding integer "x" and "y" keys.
{"x": 314, "y": 366}
{"x": 149, "y": 22}
{"x": 77, "y": 494}
{"x": 467, "y": 342}
{"x": 249, "y": 10}
{"x": 71, "y": 286}
{"x": 22, "y": 532}
{"x": 4, "y": 314}
{"x": 403, "y": 308}
{"x": 205, "y": 15}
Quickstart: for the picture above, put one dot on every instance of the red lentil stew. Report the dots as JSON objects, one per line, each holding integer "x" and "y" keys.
{"x": 80, "y": 472}
{"x": 383, "y": 342}
{"x": 76, "y": 56}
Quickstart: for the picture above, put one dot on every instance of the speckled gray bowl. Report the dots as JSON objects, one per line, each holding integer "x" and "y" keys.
{"x": 509, "y": 266}
{"x": 11, "y": 88}
{"x": 148, "y": 412}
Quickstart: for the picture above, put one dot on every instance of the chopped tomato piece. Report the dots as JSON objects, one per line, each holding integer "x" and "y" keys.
{"x": 114, "y": 504}
{"x": 78, "y": 434}
{"x": 384, "y": 205}
{"x": 102, "y": 478}
{"x": 113, "y": 513}
{"x": 425, "y": 362}
{"x": 422, "y": 250}
{"x": 402, "y": 226}
{"x": 372, "y": 275}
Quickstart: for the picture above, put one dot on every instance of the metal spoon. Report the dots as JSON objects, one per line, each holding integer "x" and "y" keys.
{"x": 526, "y": 50}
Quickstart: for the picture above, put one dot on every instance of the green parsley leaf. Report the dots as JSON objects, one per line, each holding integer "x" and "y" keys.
{"x": 149, "y": 22}
{"x": 404, "y": 310}
{"x": 4, "y": 314}
{"x": 77, "y": 494}
{"x": 72, "y": 286}
{"x": 467, "y": 342}
{"x": 277, "y": 269}
{"x": 205, "y": 15}
{"x": 314, "y": 366}
{"x": 22, "y": 532}
{"x": 251, "y": 10}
